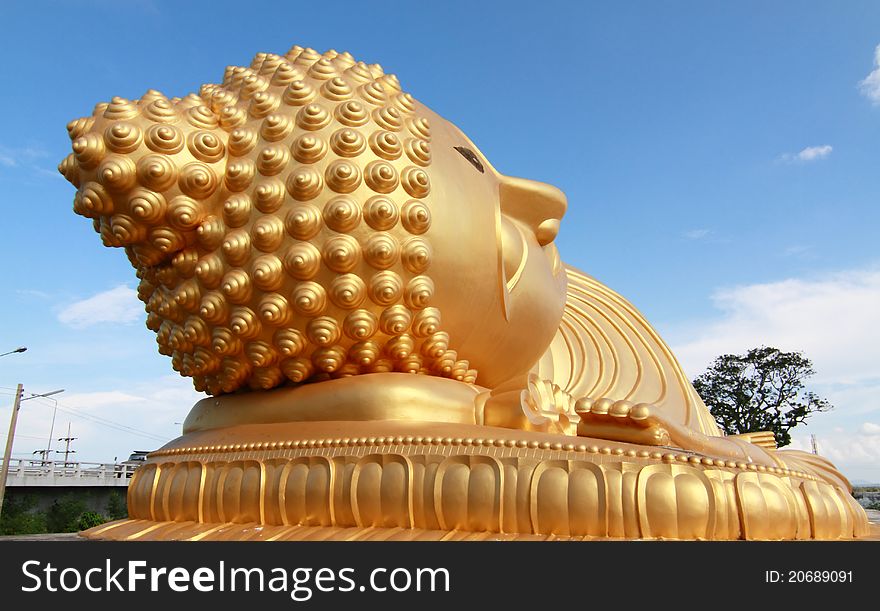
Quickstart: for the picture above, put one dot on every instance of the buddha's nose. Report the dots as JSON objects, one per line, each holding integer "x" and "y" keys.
{"x": 537, "y": 204}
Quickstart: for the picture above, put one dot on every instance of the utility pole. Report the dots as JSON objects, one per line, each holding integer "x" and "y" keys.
{"x": 7, "y": 455}
{"x": 67, "y": 439}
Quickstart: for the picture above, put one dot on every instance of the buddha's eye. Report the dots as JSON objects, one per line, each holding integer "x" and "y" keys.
{"x": 470, "y": 156}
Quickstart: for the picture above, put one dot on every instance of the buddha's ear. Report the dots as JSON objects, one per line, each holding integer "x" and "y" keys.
{"x": 147, "y": 172}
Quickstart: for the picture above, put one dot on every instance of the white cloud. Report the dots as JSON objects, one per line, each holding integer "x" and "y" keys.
{"x": 869, "y": 428}
{"x": 870, "y": 85}
{"x": 834, "y": 320}
{"x": 696, "y": 234}
{"x": 811, "y": 153}
{"x": 118, "y": 305}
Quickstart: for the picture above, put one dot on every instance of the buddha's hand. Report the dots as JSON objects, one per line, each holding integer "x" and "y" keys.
{"x": 621, "y": 421}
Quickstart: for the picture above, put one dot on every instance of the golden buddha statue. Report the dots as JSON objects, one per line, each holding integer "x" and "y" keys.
{"x": 392, "y": 345}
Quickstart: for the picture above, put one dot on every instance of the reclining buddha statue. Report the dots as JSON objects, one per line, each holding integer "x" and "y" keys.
{"x": 391, "y": 345}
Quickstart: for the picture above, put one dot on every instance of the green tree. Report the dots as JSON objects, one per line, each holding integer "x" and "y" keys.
{"x": 116, "y": 508}
{"x": 18, "y": 516}
{"x": 63, "y": 515}
{"x": 762, "y": 390}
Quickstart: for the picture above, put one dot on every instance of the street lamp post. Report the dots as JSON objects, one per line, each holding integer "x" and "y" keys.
{"x": 16, "y": 351}
{"x": 7, "y": 455}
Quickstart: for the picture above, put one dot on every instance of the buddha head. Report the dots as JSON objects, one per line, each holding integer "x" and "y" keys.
{"x": 306, "y": 219}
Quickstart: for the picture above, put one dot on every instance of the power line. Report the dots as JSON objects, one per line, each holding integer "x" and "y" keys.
{"x": 105, "y": 422}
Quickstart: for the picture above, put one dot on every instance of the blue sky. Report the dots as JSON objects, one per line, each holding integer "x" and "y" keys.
{"x": 720, "y": 161}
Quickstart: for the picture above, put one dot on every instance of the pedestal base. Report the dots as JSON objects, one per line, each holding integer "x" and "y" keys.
{"x": 407, "y": 481}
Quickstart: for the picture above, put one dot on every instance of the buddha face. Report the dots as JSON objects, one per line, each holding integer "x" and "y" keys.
{"x": 500, "y": 284}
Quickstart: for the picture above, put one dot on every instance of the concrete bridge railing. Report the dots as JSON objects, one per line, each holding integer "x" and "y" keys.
{"x": 32, "y": 473}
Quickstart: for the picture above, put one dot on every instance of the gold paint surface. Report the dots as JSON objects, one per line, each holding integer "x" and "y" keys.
{"x": 390, "y": 339}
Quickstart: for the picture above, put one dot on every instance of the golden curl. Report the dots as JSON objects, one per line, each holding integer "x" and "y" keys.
{"x": 78, "y": 127}
{"x": 184, "y": 262}
{"x": 274, "y": 310}
{"x": 419, "y": 127}
{"x": 120, "y": 109}
{"x": 380, "y": 213}
{"x": 304, "y": 183}
{"x": 347, "y": 291}
{"x": 265, "y": 378}
{"x": 415, "y": 181}
{"x": 388, "y": 117}
{"x": 263, "y": 104}
{"x": 381, "y": 176}
{"x": 309, "y": 299}
{"x": 244, "y": 323}
{"x": 188, "y": 296}
{"x": 210, "y": 233}
{"x": 395, "y": 320}
{"x": 298, "y": 93}
{"x": 267, "y": 232}
{"x": 322, "y": 69}
{"x": 213, "y": 308}
{"x": 165, "y": 139}
{"x": 405, "y": 102}
{"x": 416, "y": 217}
{"x": 209, "y": 271}
{"x": 360, "y": 325}
{"x": 284, "y": 75}
{"x": 342, "y": 214}
{"x": 273, "y": 159}
{"x": 426, "y": 322}
{"x": 329, "y": 359}
{"x": 123, "y": 137}
{"x": 372, "y": 93}
{"x": 302, "y": 261}
{"x": 385, "y": 288}
{"x": 184, "y": 213}
{"x": 236, "y": 247}
{"x": 242, "y": 141}
{"x": 269, "y": 195}
{"x": 322, "y": 331}
{"x": 117, "y": 173}
{"x": 312, "y": 117}
{"x": 381, "y": 251}
{"x": 239, "y": 174}
{"x": 236, "y": 285}
{"x": 416, "y": 255}
{"x": 224, "y": 343}
{"x": 70, "y": 170}
{"x": 352, "y": 114}
{"x": 418, "y": 151}
{"x": 418, "y": 293}
{"x": 399, "y": 347}
{"x": 276, "y": 127}
{"x": 89, "y": 150}
{"x": 297, "y": 369}
{"x": 156, "y": 172}
{"x": 232, "y": 117}
{"x": 389, "y": 82}
{"x": 160, "y": 111}
{"x": 359, "y": 72}
{"x": 343, "y": 176}
{"x": 197, "y": 180}
{"x": 202, "y": 117}
{"x": 347, "y": 143}
{"x": 289, "y": 342}
{"x": 127, "y": 230}
{"x": 260, "y": 354}
{"x": 267, "y": 272}
{"x": 205, "y": 146}
{"x": 196, "y": 331}
{"x": 309, "y": 148}
{"x": 303, "y": 221}
{"x": 411, "y": 363}
{"x": 436, "y": 345}
{"x": 341, "y": 253}
{"x": 365, "y": 353}
{"x": 386, "y": 145}
{"x": 204, "y": 363}
{"x": 237, "y": 210}
{"x": 336, "y": 89}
